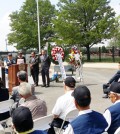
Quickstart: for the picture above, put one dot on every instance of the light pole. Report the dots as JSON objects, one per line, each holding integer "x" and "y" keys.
{"x": 6, "y": 44}
{"x": 38, "y": 20}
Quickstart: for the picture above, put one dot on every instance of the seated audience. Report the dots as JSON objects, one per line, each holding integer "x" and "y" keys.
{"x": 4, "y": 95}
{"x": 112, "y": 114}
{"x": 88, "y": 121}
{"x": 65, "y": 103}
{"x": 22, "y": 77}
{"x": 23, "y": 122}
{"x": 115, "y": 78}
{"x": 37, "y": 106}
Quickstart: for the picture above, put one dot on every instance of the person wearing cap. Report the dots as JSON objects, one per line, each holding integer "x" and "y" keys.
{"x": 34, "y": 68}
{"x": 88, "y": 121}
{"x": 8, "y": 62}
{"x": 22, "y": 77}
{"x": 20, "y": 58}
{"x": 37, "y": 106}
{"x": 112, "y": 114}
{"x": 115, "y": 78}
{"x": 23, "y": 123}
{"x": 65, "y": 103}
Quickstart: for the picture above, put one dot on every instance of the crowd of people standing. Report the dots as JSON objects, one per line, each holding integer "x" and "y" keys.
{"x": 39, "y": 63}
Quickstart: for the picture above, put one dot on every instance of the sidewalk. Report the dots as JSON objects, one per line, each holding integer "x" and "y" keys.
{"x": 96, "y": 65}
{"x": 101, "y": 65}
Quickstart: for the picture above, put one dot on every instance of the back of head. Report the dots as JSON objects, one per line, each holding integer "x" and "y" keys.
{"x": 82, "y": 96}
{"x": 24, "y": 89}
{"x": 22, "y": 119}
{"x": 115, "y": 87}
{"x": 22, "y": 75}
{"x": 70, "y": 82}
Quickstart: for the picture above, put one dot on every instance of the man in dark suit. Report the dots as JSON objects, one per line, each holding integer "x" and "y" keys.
{"x": 34, "y": 67}
{"x": 45, "y": 65}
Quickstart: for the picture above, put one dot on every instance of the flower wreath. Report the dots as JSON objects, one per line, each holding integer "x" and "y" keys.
{"x": 56, "y": 50}
{"x": 74, "y": 56}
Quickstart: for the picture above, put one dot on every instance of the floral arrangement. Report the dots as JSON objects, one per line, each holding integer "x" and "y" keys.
{"x": 55, "y": 51}
{"x": 75, "y": 56}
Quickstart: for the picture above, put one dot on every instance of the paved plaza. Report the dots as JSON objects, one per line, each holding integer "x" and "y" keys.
{"x": 94, "y": 77}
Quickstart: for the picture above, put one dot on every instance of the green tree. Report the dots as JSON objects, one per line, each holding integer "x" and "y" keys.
{"x": 115, "y": 41}
{"x": 84, "y": 22}
{"x": 24, "y": 24}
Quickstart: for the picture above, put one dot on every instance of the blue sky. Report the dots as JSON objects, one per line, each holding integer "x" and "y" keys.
{"x": 8, "y": 6}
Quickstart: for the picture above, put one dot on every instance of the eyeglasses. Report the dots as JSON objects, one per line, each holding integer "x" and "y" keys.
{"x": 112, "y": 95}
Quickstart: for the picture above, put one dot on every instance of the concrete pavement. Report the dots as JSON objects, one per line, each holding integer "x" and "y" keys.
{"x": 94, "y": 74}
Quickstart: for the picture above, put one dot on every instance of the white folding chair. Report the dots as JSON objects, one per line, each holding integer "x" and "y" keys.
{"x": 43, "y": 122}
{"x": 117, "y": 131}
{"x": 5, "y": 106}
{"x": 69, "y": 117}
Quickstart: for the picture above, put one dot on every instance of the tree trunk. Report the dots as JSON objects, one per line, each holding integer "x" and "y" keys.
{"x": 88, "y": 52}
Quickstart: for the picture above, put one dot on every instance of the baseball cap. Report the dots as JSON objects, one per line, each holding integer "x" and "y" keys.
{"x": 70, "y": 82}
{"x": 9, "y": 54}
{"x": 82, "y": 95}
{"x": 115, "y": 87}
{"x": 22, "y": 116}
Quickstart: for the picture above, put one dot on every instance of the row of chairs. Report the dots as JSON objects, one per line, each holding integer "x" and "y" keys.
{"x": 41, "y": 123}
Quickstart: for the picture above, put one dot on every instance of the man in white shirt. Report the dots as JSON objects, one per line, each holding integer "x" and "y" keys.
{"x": 88, "y": 121}
{"x": 112, "y": 114}
{"x": 65, "y": 103}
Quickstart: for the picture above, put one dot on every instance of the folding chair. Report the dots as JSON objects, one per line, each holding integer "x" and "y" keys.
{"x": 43, "y": 122}
{"x": 69, "y": 117}
{"x": 5, "y": 106}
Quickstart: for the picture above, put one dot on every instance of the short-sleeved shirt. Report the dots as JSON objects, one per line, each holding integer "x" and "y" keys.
{"x": 64, "y": 104}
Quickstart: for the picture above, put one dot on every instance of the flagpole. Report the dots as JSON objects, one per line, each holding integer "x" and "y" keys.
{"x": 38, "y": 20}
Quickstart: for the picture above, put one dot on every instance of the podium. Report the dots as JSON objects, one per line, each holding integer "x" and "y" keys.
{"x": 12, "y": 74}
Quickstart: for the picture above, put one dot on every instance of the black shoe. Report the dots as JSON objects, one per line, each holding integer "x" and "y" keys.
{"x": 47, "y": 85}
{"x": 105, "y": 96}
{"x": 43, "y": 86}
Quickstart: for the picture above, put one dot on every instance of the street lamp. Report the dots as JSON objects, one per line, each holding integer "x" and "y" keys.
{"x": 6, "y": 44}
{"x": 38, "y": 20}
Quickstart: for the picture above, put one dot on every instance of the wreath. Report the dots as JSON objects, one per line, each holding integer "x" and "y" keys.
{"x": 57, "y": 50}
{"x": 75, "y": 56}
